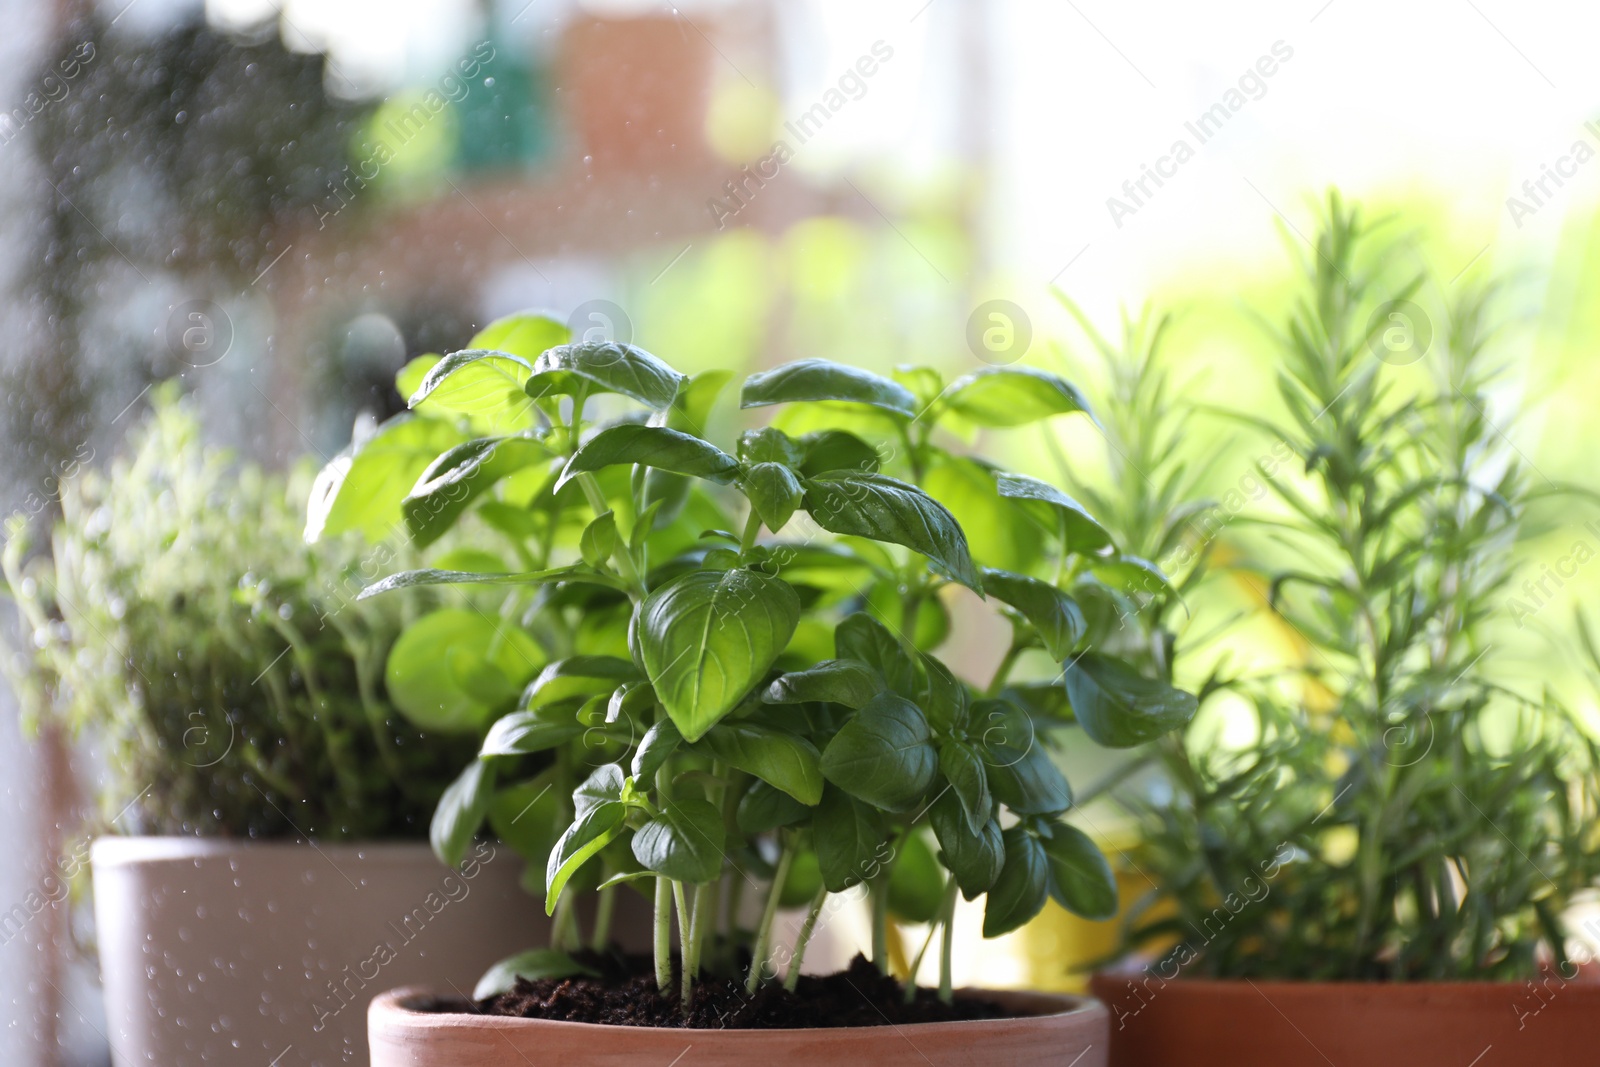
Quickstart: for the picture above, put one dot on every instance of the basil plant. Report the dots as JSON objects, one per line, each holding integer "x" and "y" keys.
{"x": 699, "y": 672}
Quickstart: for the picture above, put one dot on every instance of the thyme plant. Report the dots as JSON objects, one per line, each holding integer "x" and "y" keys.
{"x": 236, "y": 688}
{"x": 730, "y": 681}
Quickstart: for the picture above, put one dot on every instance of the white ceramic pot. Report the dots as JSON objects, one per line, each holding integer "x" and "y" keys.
{"x": 218, "y": 952}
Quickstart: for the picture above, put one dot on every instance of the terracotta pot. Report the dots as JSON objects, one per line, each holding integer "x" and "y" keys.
{"x": 1065, "y": 1031}
{"x": 216, "y": 951}
{"x": 1197, "y": 1023}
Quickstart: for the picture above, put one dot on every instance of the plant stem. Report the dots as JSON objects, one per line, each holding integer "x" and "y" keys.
{"x": 752, "y": 528}
{"x": 758, "y": 956}
{"x": 602, "y": 918}
{"x": 1002, "y": 672}
{"x": 701, "y": 917}
{"x": 686, "y": 991}
{"x": 806, "y": 930}
{"x": 619, "y": 551}
{"x": 663, "y": 934}
{"x": 947, "y": 941}
{"x": 878, "y": 894}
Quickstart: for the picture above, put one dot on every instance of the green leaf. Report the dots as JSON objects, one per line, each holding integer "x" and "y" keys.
{"x": 1054, "y": 614}
{"x": 480, "y": 383}
{"x": 883, "y": 754}
{"x": 778, "y": 758}
{"x": 1130, "y": 574}
{"x": 963, "y": 769}
{"x": 708, "y": 636}
{"x": 605, "y": 367}
{"x": 1020, "y": 891}
{"x": 1052, "y": 509}
{"x": 523, "y": 732}
{"x": 865, "y": 640}
{"x": 577, "y": 676}
{"x": 836, "y": 681}
{"x": 451, "y": 482}
{"x": 766, "y": 807}
{"x": 805, "y": 878}
{"x": 886, "y": 509}
{"x": 598, "y": 540}
{"x": 1080, "y": 878}
{"x": 849, "y": 837}
{"x": 942, "y": 696}
{"x": 461, "y": 811}
{"x": 529, "y": 816}
{"x": 525, "y": 334}
{"x": 770, "y": 445}
{"x": 450, "y": 669}
{"x": 999, "y": 532}
{"x": 691, "y": 409}
{"x": 532, "y": 965}
{"x": 975, "y": 858}
{"x": 603, "y": 786}
{"x": 1119, "y": 707}
{"x": 1021, "y": 774}
{"x": 361, "y": 488}
{"x": 835, "y": 450}
{"x": 652, "y": 446}
{"x": 916, "y": 888}
{"x": 684, "y": 842}
{"x": 1012, "y": 396}
{"x": 774, "y": 492}
{"x": 408, "y": 379}
{"x": 659, "y": 742}
{"x": 818, "y": 379}
{"x": 412, "y": 579}
{"x": 590, "y": 832}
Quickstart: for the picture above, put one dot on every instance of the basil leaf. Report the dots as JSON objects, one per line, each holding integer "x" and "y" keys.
{"x": 818, "y": 379}
{"x": 774, "y": 492}
{"x": 1054, "y": 614}
{"x": 999, "y": 531}
{"x": 883, "y": 754}
{"x": 461, "y": 812}
{"x": 652, "y": 446}
{"x": 886, "y": 509}
{"x": 523, "y": 732}
{"x": 604, "y": 367}
{"x": 361, "y": 488}
{"x": 577, "y": 676}
{"x": 865, "y": 640}
{"x": 591, "y": 831}
{"x": 451, "y": 482}
{"x": 916, "y": 888}
{"x": 848, "y": 835}
{"x": 962, "y": 767}
{"x": 603, "y": 786}
{"x": 836, "y": 681}
{"x": 835, "y": 450}
{"x": 525, "y": 334}
{"x": 477, "y": 382}
{"x": 529, "y": 816}
{"x": 1131, "y": 574}
{"x": 598, "y": 540}
{"x": 1119, "y": 707}
{"x": 408, "y": 379}
{"x": 684, "y": 842}
{"x": 1052, "y": 508}
{"x": 708, "y": 636}
{"x": 534, "y": 964}
{"x": 941, "y": 695}
{"x": 659, "y": 742}
{"x": 411, "y": 579}
{"x": 691, "y": 409}
{"x": 975, "y": 858}
{"x": 1021, "y": 774}
{"x": 1020, "y": 891}
{"x": 1012, "y": 396}
{"x": 1080, "y": 878}
{"x": 452, "y": 669}
{"x": 780, "y": 759}
{"x": 766, "y": 807}
{"x": 770, "y": 445}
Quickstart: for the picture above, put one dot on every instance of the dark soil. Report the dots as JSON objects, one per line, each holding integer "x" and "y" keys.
{"x": 626, "y": 995}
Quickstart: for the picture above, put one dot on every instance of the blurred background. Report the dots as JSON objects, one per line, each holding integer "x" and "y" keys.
{"x": 279, "y": 202}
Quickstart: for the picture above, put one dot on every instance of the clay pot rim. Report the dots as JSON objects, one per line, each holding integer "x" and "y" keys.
{"x": 117, "y": 850}
{"x": 1325, "y": 986}
{"x": 397, "y": 1007}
